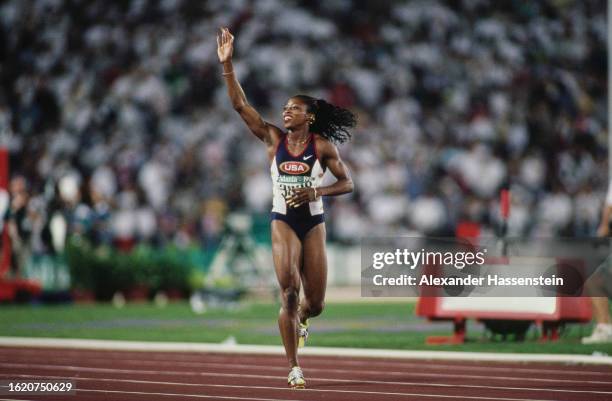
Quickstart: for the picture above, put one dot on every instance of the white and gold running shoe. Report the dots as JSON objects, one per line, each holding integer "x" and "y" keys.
{"x": 302, "y": 333}
{"x": 296, "y": 378}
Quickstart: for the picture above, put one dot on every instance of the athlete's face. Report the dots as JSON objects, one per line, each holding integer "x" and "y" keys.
{"x": 295, "y": 114}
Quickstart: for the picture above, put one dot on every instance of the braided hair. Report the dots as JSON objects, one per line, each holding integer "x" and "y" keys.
{"x": 330, "y": 121}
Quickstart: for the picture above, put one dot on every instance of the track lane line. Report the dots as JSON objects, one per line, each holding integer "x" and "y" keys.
{"x": 216, "y": 397}
{"x": 14, "y": 399}
{"x": 301, "y": 392}
{"x": 320, "y": 360}
{"x": 339, "y": 371}
{"x": 460, "y": 397}
{"x": 319, "y": 379}
{"x": 279, "y": 350}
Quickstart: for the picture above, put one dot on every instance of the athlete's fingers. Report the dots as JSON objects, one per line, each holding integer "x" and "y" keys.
{"x": 294, "y": 200}
{"x": 299, "y": 201}
{"x": 306, "y": 195}
{"x": 299, "y": 191}
{"x": 296, "y": 196}
{"x": 303, "y": 194}
{"x": 218, "y": 40}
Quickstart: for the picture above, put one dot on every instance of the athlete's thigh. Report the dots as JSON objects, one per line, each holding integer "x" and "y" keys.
{"x": 287, "y": 254}
{"x": 314, "y": 269}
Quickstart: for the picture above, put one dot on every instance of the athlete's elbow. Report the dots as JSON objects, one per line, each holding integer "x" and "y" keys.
{"x": 238, "y": 106}
{"x": 349, "y": 186}
{"x": 238, "y": 102}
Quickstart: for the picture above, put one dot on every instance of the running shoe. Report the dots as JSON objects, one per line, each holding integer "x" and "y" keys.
{"x": 303, "y": 333}
{"x": 296, "y": 378}
{"x": 601, "y": 334}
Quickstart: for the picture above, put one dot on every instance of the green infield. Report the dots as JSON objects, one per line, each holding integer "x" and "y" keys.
{"x": 365, "y": 325}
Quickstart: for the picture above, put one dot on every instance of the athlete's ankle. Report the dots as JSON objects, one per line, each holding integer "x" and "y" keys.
{"x": 301, "y": 317}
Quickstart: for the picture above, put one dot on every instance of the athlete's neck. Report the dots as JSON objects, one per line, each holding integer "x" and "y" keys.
{"x": 298, "y": 136}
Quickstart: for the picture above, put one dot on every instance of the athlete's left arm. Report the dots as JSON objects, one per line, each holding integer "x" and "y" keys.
{"x": 329, "y": 156}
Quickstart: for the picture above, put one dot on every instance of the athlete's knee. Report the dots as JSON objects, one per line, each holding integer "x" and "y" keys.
{"x": 290, "y": 298}
{"x": 315, "y": 308}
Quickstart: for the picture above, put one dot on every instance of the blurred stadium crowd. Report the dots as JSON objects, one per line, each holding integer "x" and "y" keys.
{"x": 115, "y": 114}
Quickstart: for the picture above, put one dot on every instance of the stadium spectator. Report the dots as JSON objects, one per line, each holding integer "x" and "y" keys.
{"x": 454, "y": 97}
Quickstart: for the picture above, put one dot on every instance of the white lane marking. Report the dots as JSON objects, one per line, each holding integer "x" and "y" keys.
{"x": 348, "y": 381}
{"x": 384, "y": 364}
{"x": 266, "y": 388}
{"x": 339, "y": 371}
{"x": 279, "y": 350}
{"x": 306, "y": 390}
{"x": 216, "y": 397}
{"x": 347, "y": 371}
{"x": 429, "y": 375}
{"x": 11, "y": 399}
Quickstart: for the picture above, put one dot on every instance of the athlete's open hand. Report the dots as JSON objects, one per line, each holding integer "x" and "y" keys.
{"x": 225, "y": 45}
{"x": 301, "y": 196}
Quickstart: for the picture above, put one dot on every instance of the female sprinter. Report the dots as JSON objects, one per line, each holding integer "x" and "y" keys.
{"x": 298, "y": 158}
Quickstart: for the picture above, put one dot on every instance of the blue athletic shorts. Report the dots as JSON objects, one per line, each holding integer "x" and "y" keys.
{"x": 301, "y": 224}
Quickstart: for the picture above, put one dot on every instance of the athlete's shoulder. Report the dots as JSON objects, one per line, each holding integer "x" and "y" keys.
{"x": 325, "y": 147}
{"x": 275, "y": 136}
{"x": 319, "y": 138}
{"x": 324, "y": 143}
{"x": 278, "y": 140}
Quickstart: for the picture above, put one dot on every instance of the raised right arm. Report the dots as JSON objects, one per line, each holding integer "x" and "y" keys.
{"x": 266, "y": 132}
